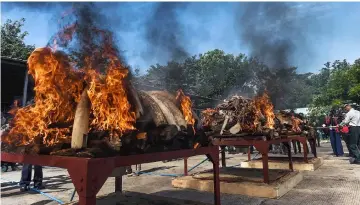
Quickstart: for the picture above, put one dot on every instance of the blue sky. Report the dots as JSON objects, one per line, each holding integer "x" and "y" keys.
{"x": 206, "y": 26}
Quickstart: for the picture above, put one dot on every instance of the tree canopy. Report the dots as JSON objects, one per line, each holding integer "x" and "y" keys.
{"x": 216, "y": 75}
{"x": 12, "y": 40}
{"x": 336, "y": 84}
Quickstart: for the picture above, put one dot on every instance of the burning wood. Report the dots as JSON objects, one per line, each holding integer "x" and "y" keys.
{"x": 288, "y": 121}
{"x": 240, "y": 115}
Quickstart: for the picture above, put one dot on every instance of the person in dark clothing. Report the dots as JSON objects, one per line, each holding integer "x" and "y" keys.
{"x": 346, "y": 137}
{"x": 352, "y": 119}
{"x": 335, "y": 139}
{"x": 26, "y": 177}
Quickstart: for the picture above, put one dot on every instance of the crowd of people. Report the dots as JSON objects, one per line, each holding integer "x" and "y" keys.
{"x": 338, "y": 126}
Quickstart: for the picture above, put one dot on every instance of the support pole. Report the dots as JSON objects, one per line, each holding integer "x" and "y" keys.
{"x": 306, "y": 151}
{"x": 118, "y": 184}
{"x": 26, "y": 82}
{"x": 185, "y": 166}
{"x": 223, "y": 158}
{"x": 288, "y": 146}
{"x": 214, "y": 158}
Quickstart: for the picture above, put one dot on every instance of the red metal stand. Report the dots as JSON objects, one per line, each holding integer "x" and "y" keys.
{"x": 89, "y": 175}
{"x": 262, "y": 146}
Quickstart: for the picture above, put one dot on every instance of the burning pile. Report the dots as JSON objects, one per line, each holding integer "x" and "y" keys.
{"x": 71, "y": 104}
{"x": 239, "y": 115}
{"x": 91, "y": 104}
{"x": 293, "y": 123}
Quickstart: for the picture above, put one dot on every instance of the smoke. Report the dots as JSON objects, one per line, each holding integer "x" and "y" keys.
{"x": 273, "y": 32}
{"x": 150, "y": 33}
{"x": 164, "y": 33}
{"x": 85, "y": 36}
{"x": 36, "y": 6}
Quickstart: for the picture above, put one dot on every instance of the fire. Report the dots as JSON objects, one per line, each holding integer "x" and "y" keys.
{"x": 296, "y": 124}
{"x": 207, "y": 120}
{"x": 58, "y": 87}
{"x": 110, "y": 106}
{"x": 186, "y": 107}
{"x": 264, "y": 106}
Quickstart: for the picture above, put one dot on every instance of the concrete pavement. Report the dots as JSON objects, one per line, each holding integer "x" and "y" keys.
{"x": 336, "y": 182}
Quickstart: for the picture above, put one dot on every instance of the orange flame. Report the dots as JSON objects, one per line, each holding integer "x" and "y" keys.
{"x": 264, "y": 106}
{"x": 296, "y": 124}
{"x": 58, "y": 87}
{"x": 186, "y": 108}
{"x": 110, "y": 106}
{"x": 207, "y": 119}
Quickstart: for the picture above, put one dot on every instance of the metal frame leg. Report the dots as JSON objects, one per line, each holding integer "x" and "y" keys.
{"x": 223, "y": 158}
{"x": 214, "y": 158}
{"x": 312, "y": 143}
{"x": 265, "y": 161}
{"x": 185, "y": 167}
{"x": 263, "y": 148}
{"x": 294, "y": 146}
{"x": 88, "y": 179}
{"x": 306, "y": 151}
{"x": 118, "y": 184}
{"x": 288, "y": 146}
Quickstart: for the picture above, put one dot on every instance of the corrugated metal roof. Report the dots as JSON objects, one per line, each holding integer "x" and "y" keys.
{"x": 14, "y": 61}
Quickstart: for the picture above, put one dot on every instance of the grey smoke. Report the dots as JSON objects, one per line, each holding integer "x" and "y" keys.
{"x": 272, "y": 31}
{"x": 153, "y": 33}
{"x": 36, "y": 6}
{"x": 164, "y": 32}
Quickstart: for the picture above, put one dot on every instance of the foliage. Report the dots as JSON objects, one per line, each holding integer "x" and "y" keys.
{"x": 335, "y": 85}
{"x": 12, "y": 40}
{"x": 342, "y": 84}
{"x": 216, "y": 75}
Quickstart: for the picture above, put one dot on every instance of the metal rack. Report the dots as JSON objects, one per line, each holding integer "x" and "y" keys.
{"x": 88, "y": 178}
{"x": 262, "y": 146}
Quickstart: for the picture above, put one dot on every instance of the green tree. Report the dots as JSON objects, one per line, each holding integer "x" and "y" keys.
{"x": 354, "y": 78}
{"x": 336, "y": 84}
{"x": 216, "y": 75}
{"x": 12, "y": 40}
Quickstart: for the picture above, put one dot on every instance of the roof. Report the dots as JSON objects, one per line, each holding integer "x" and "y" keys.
{"x": 14, "y": 61}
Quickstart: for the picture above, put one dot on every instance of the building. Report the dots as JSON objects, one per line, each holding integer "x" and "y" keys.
{"x": 16, "y": 83}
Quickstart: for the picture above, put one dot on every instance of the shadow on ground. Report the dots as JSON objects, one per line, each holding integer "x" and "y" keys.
{"x": 52, "y": 184}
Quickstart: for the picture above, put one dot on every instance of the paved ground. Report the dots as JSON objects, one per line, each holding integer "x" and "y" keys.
{"x": 336, "y": 182}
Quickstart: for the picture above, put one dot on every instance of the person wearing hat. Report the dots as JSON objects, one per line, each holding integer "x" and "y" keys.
{"x": 352, "y": 119}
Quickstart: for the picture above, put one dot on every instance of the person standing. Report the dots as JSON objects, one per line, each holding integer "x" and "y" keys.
{"x": 352, "y": 119}
{"x": 26, "y": 177}
{"x": 346, "y": 136}
{"x": 335, "y": 139}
